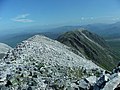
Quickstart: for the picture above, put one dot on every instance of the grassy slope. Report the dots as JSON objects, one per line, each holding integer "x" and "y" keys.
{"x": 115, "y": 45}
{"x": 90, "y": 50}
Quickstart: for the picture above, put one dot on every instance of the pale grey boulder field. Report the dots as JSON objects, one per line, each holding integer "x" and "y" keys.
{"x": 40, "y": 63}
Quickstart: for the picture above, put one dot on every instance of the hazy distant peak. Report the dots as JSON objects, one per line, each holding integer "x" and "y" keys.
{"x": 79, "y": 30}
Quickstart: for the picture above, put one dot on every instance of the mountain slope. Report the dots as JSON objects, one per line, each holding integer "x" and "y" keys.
{"x": 90, "y": 45}
{"x": 3, "y": 49}
{"x": 109, "y": 81}
{"x": 40, "y": 63}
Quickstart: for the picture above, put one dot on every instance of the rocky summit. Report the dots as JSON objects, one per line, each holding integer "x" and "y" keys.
{"x": 40, "y": 63}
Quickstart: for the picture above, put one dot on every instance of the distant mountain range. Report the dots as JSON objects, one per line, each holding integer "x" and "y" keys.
{"x": 108, "y": 31}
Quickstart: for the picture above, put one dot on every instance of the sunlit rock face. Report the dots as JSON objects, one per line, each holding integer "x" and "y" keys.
{"x": 40, "y": 63}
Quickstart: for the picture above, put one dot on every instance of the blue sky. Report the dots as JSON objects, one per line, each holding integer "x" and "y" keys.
{"x": 28, "y": 13}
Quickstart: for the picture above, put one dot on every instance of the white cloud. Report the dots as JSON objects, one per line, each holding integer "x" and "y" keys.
{"x": 86, "y": 18}
{"x": 22, "y": 18}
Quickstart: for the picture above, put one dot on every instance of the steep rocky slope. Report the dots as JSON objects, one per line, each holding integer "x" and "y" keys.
{"x": 40, "y": 63}
{"x": 91, "y": 46}
{"x": 3, "y": 49}
{"x": 109, "y": 81}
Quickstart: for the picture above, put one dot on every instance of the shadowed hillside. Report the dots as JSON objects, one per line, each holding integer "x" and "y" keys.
{"x": 92, "y": 46}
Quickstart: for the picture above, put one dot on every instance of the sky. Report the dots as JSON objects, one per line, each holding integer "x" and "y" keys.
{"x": 43, "y": 13}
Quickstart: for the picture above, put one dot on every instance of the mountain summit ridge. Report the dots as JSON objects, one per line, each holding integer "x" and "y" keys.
{"x": 91, "y": 46}
{"x": 43, "y": 63}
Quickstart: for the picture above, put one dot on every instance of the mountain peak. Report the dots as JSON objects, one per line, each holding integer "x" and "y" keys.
{"x": 36, "y": 37}
{"x": 43, "y": 61}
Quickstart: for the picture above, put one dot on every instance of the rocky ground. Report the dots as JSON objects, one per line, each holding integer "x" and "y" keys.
{"x": 40, "y": 63}
{"x": 3, "y": 49}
